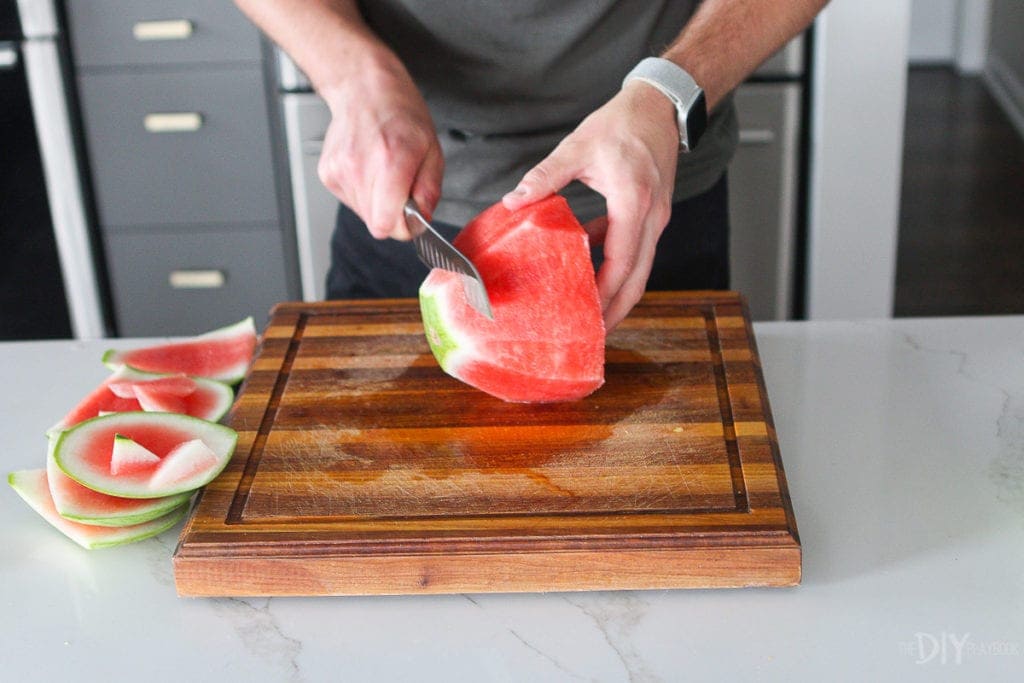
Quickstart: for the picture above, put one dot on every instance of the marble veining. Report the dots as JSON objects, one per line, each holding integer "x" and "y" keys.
{"x": 257, "y": 627}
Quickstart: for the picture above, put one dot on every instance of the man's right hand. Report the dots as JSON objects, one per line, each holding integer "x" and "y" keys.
{"x": 381, "y": 148}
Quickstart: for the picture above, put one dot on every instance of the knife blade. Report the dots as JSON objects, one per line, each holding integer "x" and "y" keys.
{"x": 437, "y": 252}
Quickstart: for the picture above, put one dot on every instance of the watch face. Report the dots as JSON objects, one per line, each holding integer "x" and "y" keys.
{"x": 696, "y": 121}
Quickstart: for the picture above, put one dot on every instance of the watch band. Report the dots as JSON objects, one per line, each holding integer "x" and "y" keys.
{"x": 679, "y": 87}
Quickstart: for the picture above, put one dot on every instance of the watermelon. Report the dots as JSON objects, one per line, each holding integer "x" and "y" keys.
{"x": 128, "y": 389}
{"x": 144, "y": 455}
{"x": 77, "y": 503}
{"x": 546, "y": 341}
{"x": 33, "y": 486}
{"x": 223, "y": 354}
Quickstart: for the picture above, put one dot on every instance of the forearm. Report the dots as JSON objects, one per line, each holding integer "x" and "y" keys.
{"x": 727, "y": 39}
{"x": 327, "y": 39}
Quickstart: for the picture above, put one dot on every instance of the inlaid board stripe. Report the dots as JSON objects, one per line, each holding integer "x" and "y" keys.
{"x": 325, "y": 435}
{"x": 253, "y": 453}
{"x": 614, "y": 356}
{"x": 454, "y": 492}
{"x": 581, "y": 524}
{"x": 725, "y": 407}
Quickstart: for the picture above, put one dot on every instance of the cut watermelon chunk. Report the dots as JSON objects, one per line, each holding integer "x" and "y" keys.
{"x": 546, "y": 342}
{"x": 185, "y": 460}
{"x": 128, "y": 390}
{"x": 129, "y": 457}
{"x": 87, "y": 453}
{"x": 179, "y": 385}
{"x": 34, "y": 488}
{"x": 222, "y": 354}
{"x": 80, "y": 504}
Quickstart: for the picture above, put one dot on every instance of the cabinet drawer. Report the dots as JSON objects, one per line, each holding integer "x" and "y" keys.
{"x": 178, "y": 147}
{"x": 174, "y": 283}
{"x": 134, "y": 32}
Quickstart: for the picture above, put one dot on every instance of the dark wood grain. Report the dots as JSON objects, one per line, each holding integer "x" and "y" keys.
{"x": 362, "y": 468}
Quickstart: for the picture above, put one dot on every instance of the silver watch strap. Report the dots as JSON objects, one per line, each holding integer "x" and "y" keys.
{"x": 679, "y": 87}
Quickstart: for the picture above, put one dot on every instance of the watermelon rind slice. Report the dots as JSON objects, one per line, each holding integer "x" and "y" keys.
{"x": 33, "y": 487}
{"x": 210, "y": 400}
{"x": 223, "y": 354}
{"x": 80, "y": 504}
{"x": 84, "y": 452}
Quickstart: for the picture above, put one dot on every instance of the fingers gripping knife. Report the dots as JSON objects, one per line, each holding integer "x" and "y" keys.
{"x": 437, "y": 252}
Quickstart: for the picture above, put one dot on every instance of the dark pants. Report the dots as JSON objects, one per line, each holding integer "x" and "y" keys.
{"x": 693, "y": 253}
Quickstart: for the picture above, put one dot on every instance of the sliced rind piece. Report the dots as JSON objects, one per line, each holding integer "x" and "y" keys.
{"x": 129, "y": 456}
{"x": 223, "y": 354}
{"x": 33, "y": 487}
{"x": 81, "y": 504}
{"x": 118, "y": 393}
{"x": 84, "y": 452}
{"x": 184, "y": 461}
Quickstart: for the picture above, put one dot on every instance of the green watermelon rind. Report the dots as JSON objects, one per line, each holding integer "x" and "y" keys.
{"x": 131, "y": 520}
{"x": 106, "y": 485}
{"x": 225, "y": 394}
{"x": 441, "y": 342}
{"x": 159, "y": 507}
{"x": 232, "y": 374}
{"x": 128, "y": 534}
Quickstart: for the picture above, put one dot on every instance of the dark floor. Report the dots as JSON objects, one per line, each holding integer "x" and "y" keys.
{"x": 961, "y": 233}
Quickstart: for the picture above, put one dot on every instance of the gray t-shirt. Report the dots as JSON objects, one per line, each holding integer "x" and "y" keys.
{"x": 506, "y": 80}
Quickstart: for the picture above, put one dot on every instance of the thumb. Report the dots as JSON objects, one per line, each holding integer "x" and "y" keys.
{"x": 546, "y": 178}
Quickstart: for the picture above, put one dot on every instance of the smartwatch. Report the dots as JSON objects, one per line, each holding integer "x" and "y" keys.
{"x": 679, "y": 87}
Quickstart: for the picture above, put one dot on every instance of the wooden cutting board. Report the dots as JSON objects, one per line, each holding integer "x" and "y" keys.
{"x": 362, "y": 468}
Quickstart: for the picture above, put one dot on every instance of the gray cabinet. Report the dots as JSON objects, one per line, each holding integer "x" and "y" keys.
{"x": 178, "y": 135}
{"x": 166, "y": 280}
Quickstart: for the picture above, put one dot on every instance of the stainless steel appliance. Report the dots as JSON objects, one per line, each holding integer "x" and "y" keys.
{"x": 766, "y": 186}
{"x": 49, "y": 253}
{"x": 764, "y": 182}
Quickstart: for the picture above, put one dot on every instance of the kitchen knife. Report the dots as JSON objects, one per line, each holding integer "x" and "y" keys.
{"x": 437, "y": 252}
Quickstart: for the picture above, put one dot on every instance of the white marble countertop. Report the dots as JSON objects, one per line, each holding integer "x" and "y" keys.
{"x": 903, "y": 443}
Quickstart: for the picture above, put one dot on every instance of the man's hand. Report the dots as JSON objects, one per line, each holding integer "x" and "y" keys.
{"x": 627, "y": 151}
{"x": 380, "y": 149}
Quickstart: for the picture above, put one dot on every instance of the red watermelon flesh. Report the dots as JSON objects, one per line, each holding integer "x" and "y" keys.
{"x": 33, "y": 486}
{"x": 223, "y": 354}
{"x": 546, "y": 342}
{"x": 169, "y": 385}
{"x": 80, "y": 504}
{"x": 128, "y": 390}
{"x": 124, "y": 454}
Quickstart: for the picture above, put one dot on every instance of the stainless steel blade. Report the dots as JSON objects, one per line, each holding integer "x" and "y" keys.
{"x": 437, "y": 252}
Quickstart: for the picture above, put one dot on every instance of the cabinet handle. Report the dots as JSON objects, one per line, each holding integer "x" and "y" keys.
{"x": 173, "y": 122}
{"x": 757, "y": 136}
{"x": 8, "y": 56}
{"x": 168, "y": 29}
{"x": 197, "y": 279}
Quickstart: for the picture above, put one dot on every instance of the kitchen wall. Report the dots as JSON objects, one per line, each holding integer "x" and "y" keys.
{"x": 1004, "y": 70}
{"x": 949, "y": 32}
